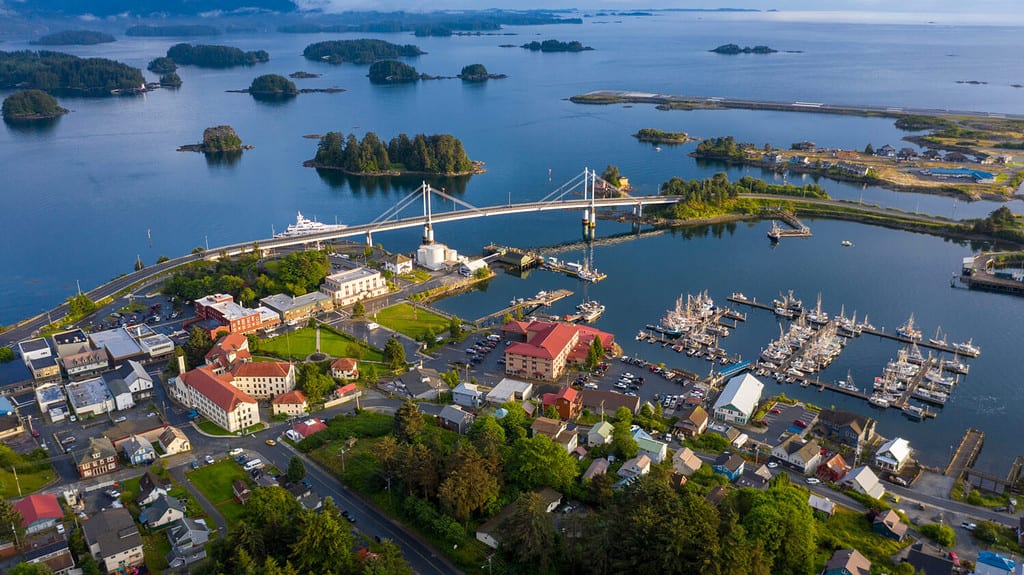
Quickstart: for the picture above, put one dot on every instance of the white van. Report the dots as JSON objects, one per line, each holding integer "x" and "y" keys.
{"x": 253, "y": 464}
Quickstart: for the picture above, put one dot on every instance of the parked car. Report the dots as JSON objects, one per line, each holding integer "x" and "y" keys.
{"x": 775, "y": 411}
{"x": 235, "y": 451}
{"x": 348, "y": 516}
{"x": 195, "y": 464}
{"x": 271, "y": 442}
{"x": 772, "y": 464}
{"x": 208, "y": 459}
{"x": 813, "y": 481}
{"x": 969, "y": 526}
{"x": 800, "y": 423}
{"x": 121, "y": 419}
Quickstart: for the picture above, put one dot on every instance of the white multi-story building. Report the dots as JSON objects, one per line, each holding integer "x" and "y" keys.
{"x": 216, "y": 399}
{"x": 350, "y": 286}
{"x": 262, "y": 379}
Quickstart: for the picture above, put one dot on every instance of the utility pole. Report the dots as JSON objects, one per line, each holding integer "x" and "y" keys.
{"x": 15, "y": 472}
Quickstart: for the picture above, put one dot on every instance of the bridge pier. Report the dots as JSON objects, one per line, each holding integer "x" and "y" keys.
{"x": 369, "y": 238}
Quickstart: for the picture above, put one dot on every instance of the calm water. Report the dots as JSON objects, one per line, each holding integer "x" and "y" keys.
{"x": 81, "y": 193}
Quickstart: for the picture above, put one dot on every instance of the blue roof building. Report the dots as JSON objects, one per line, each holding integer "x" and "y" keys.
{"x": 992, "y": 564}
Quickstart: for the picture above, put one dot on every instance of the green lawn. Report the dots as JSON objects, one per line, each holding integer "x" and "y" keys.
{"x": 213, "y": 429}
{"x": 301, "y": 343}
{"x": 416, "y": 276}
{"x": 849, "y": 529}
{"x": 155, "y": 547}
{"x": 214, "y": 481}
{"x": 413, "y": 322}
{"x": 30, "y": 482}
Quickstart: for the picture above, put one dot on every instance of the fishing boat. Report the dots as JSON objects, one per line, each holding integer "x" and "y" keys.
{"x": 304, "y": 227}
{"x": 936, "y": 397}
{"x": 937, "y": 340}
{"x": 789, "y": 302}
{"x": 878, "y": 401}
{"x": 908, "y": 330}
{"x": 847, "y": 383}
{"x": 775, "y": 233}
{"x": 846, "y": 244}
{"x": 913, "y": 412}
{"x": 590, "y": 310}
{"x": 816, "y": 316}
{"x": 955, "y": 365}
{"x": 967, "y": 348}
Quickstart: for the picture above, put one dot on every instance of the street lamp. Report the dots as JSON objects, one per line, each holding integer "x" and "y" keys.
{"x": 341, "y": 453}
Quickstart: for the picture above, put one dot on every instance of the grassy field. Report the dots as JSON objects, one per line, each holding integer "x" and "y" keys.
{"x": 413, "y": 322}
{"x": 30, "y": 482}
{"x": 301, "y": 343}
{"x": 214, "y": 482}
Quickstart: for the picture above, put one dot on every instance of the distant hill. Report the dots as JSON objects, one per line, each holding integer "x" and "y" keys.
{"x": 74, "y": 38}
{"x": 144, "y": 7}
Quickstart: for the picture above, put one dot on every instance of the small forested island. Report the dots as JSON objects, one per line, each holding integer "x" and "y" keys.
{"x": 732, "y": 49}
{"x": 272, "y": 84}
{"x": 659, "y": 137}
{"x": 363, "y": 51}
{"x": 31, "y": 105}
{"x": 392, "y": 72}
{"x": 59, "y": 72}
{"x": 556, "y": 46}
{"x": 478, "y": 73}
{"x": 74, "y": 38}
{"x": 439, "y": 154}
{"x": 303, "y": 75}
{"x": 161, "y": 65}
{"x": 217, "y": 139}
{"x": 437, "y": 23}
{"x": 172, "y": 30}
{"x": 170, "y": 80}
{"x": 210, "y": 56}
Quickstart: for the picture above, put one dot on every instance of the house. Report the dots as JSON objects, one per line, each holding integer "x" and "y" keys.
{"x": 888, "y": 524}
{"x": 598, "y": 467}
{"x": 263, "y": 379}
{"x": 164, "y": 510}
{"x": 309, "y": 427}
{"x": 52, "y": 552}
{"x": 151, "y": 488}
{"x": 654, "y": 449}
{"x": 758, "y": 478}
{"x": 893, "y": 455}
{"x": 467, "y": 395}
{"x": 240, "y": 491}
{"x": 804, "y": 456}
{"x": 822, "y": 504}
{"x": 509, "y": 390}
{"x": 956, "y": 157}
{"x": 846, "y": 427}
{"x": 228, "y": 351}
{"x": 120, "y": 393}
{"x": 834, "y": 469}
{"x": 138, "y": 450}
{"x": 693, "y": 422}
{"x": 343, "y": 394}
{"x": 217, "y": 399}
{"x": 608, "y": 402}
{"x": 139, "y": 382}
{"x": 738, "y": 400}
{"x": 600, "y": 433}
{"x": 735, "y": 437}
{"x": 685, "y": 462}
{"x": 848, "y": 562}
{"x": 639, "y": 465}
{"x": 292, "y": 403}
{"x": 188, "y": 539}
{"x": 864, "y": 481}
{"x": 39, "y": 512}
{"x": 346, "y": 368}
{"x": 455, "y": 418}
{"x": 989, "y": 563}
{"x": 566, "y": 402}
{"x": 398, "y": 264}
{"x": 729, "y": 465}
{"x": 931, "y": 155}
{"x": 886, "y": 151}
{"x": 89, "y": 397}
{"x": 931, "y": 562}
{"x": 113, "y": 539}
{"x": 423, "y": 383}
{"x": 349, "y": 286}
{"x": 906, "y": 154}
{"x": 99, "y": 458}
{"x": 549, "y": 347}
{"x": 173, "y": 441}
{"x": 804, "y": 146}
{"x": 774, "y": 158}
{"x": 294, "y": 309}
{"x": 716, "y": 495}
{"x": 556, "y": 430}
{"x": 44, "y": 368}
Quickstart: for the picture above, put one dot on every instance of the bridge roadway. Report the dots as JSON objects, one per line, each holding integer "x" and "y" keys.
{"x": 711, "y": 102}
{"x": 27, "y": 328}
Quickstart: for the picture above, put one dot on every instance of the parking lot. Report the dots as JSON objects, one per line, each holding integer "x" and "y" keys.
{"x": 781, "y": 420}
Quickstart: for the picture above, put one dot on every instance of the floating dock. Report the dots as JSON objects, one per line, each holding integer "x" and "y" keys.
{"x": 528, "y": 306}
{"x": 966, "y": 453}
{"x": 798, "y": 229}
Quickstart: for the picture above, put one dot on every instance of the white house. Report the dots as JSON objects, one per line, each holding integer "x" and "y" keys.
{"x": 893, "y": 455}
{"x": 865, "y": 482}
{"x": 140, "y": 383}
{"x": 350, "y": 286}
{"x": 738, "y": 400}
{"x": 639, "y": 465}
{"x": 467, "y": 395}
{"x": 509, "y": 390}
{"x": 398, "y": 264}
{"x": 802, "y": 455}
{"x": 120, "y": 392}
{"x": 600, "y": 434}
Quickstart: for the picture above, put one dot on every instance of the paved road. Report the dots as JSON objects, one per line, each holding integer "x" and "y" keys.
{"x": 866, "y": 208}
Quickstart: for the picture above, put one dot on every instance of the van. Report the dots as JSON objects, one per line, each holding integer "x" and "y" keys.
{"x": 254, "y": 464}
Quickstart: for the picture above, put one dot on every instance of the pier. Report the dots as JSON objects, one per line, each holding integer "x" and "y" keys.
{"x": 966, "y": 452}
{"x": 528, "y": 306}
{"x": 798, "y": 229}
{"x": 982, "y": 272}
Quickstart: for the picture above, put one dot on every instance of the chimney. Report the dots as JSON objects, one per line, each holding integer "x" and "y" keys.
{"x": 181, "y": 364}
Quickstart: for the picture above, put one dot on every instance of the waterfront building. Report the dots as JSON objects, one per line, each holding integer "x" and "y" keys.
{"x": 738, "y": 400}
{"x": 545, "y": 349}
{"x": 846, "y": 427}
{"x": 398, "y": 264}
{"x": 893, "y": 455}
{"x": 217, "y": 399}
{"x": 349, "y": 286}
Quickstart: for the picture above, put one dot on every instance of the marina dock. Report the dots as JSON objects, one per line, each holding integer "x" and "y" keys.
{"x": 966, "y": 453}
{"x": 528, "y": 306}
{"x": 797, "y": 228}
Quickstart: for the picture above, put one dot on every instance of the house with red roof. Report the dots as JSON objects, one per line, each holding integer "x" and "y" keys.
{"x": 39, "y": 512}
{"x": 567, "y": 402}
{"x": 227, "y": 351}
{"x": 542, "y": 350}
{"x": 309, "y": 427}
{"x": 217, "y": 399}
{"x": 345, "y": 368}
{"x": 263, "y": 379}
{"x": 291, "y": 403}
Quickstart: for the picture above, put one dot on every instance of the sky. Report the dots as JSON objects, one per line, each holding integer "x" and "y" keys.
{"x": 915, "y": 11}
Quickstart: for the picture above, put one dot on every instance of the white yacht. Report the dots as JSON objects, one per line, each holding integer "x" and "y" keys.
{"x": 304, "y": 226}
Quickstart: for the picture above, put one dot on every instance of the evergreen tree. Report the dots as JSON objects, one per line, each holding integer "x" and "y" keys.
{"x": 409, "y": 425}
{"x": 394, "y": 354}
{"x": 296, "y": 470}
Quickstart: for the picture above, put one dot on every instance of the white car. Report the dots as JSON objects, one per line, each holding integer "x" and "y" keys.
{"x": 813, "y": 481}
{"x": 121, "y": 419}
{"x": 209, "y": 460}
{"x": 235, "y": 451}
{"x": 772, "y": 464}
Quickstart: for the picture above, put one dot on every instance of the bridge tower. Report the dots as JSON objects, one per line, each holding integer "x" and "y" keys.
{"x": 593, "y": 200}
{"x": 586, "y": 211}
{"x": 428, "y": 228}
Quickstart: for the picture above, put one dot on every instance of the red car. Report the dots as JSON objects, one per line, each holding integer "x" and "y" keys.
{"x": 799, "y": 423}
{"x": 775, "y": 411}
{"x": 954, "y": 558}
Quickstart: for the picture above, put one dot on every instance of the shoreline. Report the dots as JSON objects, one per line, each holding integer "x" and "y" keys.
{"x": 478, "y": 168}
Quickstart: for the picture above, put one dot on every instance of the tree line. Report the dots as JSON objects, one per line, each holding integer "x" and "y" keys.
{"x": 556, "y": 46}
{"x": 248, "y": 279}
{"x": 717, "y": 194}
{"x": 52, "y": 71}
{"x": 364, "y": 51}
{"x": 435, "y": 154}
{"x": 74, "y": 38}
{"x": 210, "y": 56}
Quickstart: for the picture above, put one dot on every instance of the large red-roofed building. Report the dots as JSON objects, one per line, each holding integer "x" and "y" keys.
{"x": 39, "y": 512}
{"x": 228, "y": 351}
{"x": 217, "y": 399}
{"x": 542, "y": 350}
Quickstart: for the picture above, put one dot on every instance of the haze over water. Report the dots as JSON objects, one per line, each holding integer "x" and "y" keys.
{"x": 81, "y": 194}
